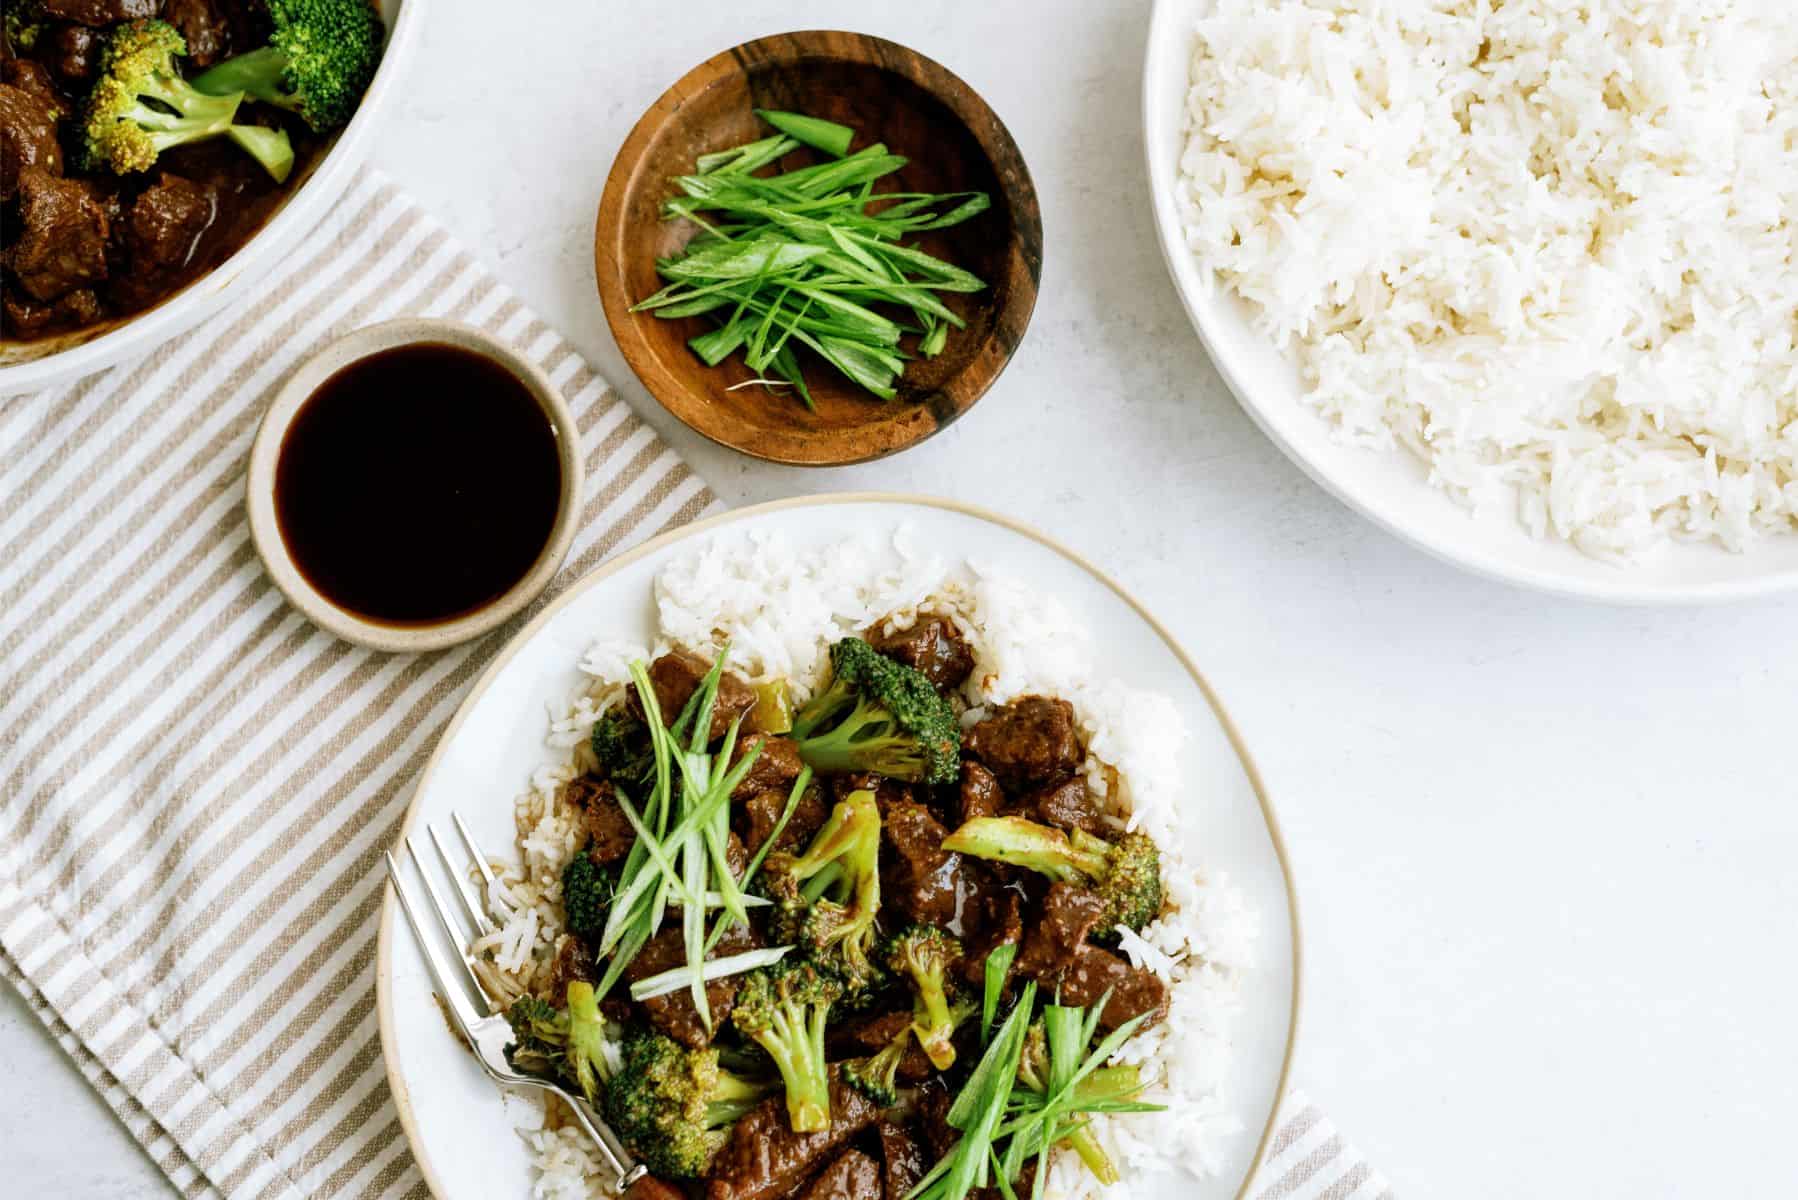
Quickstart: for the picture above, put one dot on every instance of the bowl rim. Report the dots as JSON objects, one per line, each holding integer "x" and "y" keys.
{"x": 297, "y": 217}
{"x": 1283, "y": 1088}
{"x": 960, "y": 97}
{"x": 1467, "y": 554}
{"x": 265, "y": 453}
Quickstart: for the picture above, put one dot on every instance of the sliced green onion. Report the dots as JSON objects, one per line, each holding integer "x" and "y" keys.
{"x": 998, "y": 966}
{"x": 806, "y": 258}
{"x": 713, "y": 969}
{"x": 815, "y": 132}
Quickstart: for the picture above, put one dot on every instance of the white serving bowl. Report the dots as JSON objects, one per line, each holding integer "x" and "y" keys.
{"x": 1392, "y": 488}
{"x": 46, "y": 362}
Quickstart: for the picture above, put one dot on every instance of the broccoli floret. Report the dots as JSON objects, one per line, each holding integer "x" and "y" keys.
{"x": 566, "y": 1043}
{"x": 674, "y": 1106}
{"x": 1126, "y": 874}
{"x": 587, "y": 891}
{"x": 140, "y": 106}
{"x": 826, "y": 898}
{"x": 24, "y": 24}
{"x": 621, "y": 745}
{"x": 881, "y": 716}
{"x": 784, "y": 1009}
{"x": 539, "y": 1036}
{"x": 876, "y": 1076}
{"x": 865, "y": 990}
{"x": 318, "y": 61}
{"x": 584, "y": 1060}
{"x": 925, "y": 954}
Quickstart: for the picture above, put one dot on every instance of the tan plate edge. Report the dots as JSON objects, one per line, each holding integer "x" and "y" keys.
{"x": 383, "y": 961}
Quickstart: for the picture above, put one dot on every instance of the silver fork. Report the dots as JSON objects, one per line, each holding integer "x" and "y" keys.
{"x": 470, "y": 1006}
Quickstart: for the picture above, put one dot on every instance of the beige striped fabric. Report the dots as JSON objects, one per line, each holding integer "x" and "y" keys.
{"x": 1308, "y": 1160}
{"x": 195, "y": 783}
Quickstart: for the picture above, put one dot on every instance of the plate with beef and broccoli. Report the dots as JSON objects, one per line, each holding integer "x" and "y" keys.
{"x": 149, "y": 143}
{"x": 855, "y": 846}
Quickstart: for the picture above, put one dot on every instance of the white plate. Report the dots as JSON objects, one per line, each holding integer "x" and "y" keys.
{"x": 1391, "y": 488}
{"x": 455, "y": 1118}
{"x": 27, "y": 367}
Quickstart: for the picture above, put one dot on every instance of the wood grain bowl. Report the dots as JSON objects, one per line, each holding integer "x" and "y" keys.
{"x": 919, "y": 109}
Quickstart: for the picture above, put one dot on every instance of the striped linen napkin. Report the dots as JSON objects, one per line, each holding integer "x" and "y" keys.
{"x": 1308, "y": 1160}
{"x": 196, "y": 785}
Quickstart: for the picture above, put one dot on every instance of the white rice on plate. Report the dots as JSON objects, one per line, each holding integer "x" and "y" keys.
{"x": 779, "y": 607}
{"x": 1548, "y": 246}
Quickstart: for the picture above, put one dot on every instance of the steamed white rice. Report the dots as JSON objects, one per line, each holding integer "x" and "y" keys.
{"x": 780, "y": 607}
{"x": 1548, "y": 246}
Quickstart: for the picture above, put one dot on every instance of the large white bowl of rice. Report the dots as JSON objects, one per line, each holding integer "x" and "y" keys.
{"x": 1518, "y": 282}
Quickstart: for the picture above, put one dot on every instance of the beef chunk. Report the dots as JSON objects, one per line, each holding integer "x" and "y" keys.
{"x": 33, "y": 78}
{"x": 573, "y": 964}
{"x": 1057, "y": 954}
{"x": 1066, "y": 919}
{"x": 901, "y": 1161}
{"x": 934, "y": 1101}
{"x": 676, "y": 676}
{"x": 28, "y": 318}
{"x": 651, "y": 1188}
{"x": 919, "y": 877}
{"x": 62, "y": 230}
{"x": 869, "y": 1034}
{"x": 1001, "y": 923}
{"x": 852, "y": 1176}
{"x": 887, "y": 792}
{"x": 980, "y": 795}
{"x": 27, "y": 137}
{"x": 203, "y": 24}
{"x": 933, "y": 647}
{"x": 100, "y": 12}
{"x": 763, "y": 811}
{"x": 1134, "y": 991}
{"x": 775, "y": 769}
{"x": 164, "y": 226}
{"x": 610, "y": 833}
{"x": 1030, "y": 743}
{"x": 765, "y": 1159}
{"x": 1069, "y": 806}
{"x": 674, "y": 1013}
{"x": 74, "y": 52}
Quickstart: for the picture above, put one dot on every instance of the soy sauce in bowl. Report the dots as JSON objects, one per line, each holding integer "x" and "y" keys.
{"x": 418, "y": 484}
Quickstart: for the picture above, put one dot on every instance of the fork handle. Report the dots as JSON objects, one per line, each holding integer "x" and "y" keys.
{"x": 625, "y": 1170}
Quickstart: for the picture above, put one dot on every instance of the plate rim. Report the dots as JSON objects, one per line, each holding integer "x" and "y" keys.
{"x": 384, "y": 942}
{"x": 1491, "y": 565}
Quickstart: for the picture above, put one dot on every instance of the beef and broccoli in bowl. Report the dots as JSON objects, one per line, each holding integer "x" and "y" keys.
{"x": 874, "y": 925}
{"x": 143, "y": 142}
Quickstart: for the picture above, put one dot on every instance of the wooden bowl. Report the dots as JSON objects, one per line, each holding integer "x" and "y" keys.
{"x": 889, "y": 94}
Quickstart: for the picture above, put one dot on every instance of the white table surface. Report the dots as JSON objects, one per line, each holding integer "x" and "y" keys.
{"x": 1544, "y": 850}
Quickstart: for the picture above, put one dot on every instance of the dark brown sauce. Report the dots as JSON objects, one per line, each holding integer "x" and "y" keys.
{"x": 418, "y": 484}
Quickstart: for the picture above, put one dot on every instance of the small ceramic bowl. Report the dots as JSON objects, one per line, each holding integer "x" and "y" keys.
{"x": 953, "y": 142}
{"x": 265, "y": 529}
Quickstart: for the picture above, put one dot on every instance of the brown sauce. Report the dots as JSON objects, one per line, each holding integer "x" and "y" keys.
{"x": 418, "y": 484}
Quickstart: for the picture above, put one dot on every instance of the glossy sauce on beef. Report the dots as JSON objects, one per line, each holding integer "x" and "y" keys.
{"x": 418, "y": 484}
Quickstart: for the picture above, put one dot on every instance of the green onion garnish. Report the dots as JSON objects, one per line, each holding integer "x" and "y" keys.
{"x": 809, "y": 258}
